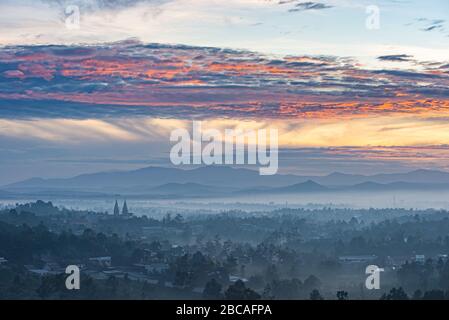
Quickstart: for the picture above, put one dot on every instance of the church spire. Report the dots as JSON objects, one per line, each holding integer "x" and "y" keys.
{"x": 116, "y": 209}
{"x": 125, "y": 209}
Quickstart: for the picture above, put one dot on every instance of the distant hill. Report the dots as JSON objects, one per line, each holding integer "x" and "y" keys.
{"x": 155, "y": 176}
{"x": 373, "y": 186}
{"x": 5, "y": 193}
{"x": 311, "y": 186}
{"x": 308, "y": 186}
{"x": 417, "y": 176}
{"x": 215, "y": 180}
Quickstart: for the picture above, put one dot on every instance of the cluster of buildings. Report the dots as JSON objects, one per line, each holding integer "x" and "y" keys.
{"x": 391, "y": 262}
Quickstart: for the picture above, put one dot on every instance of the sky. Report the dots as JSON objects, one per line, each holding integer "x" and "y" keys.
{"x": 347, "y": 89}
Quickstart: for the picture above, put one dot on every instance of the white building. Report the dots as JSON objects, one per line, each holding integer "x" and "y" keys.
{"x": 420, "y": 258}
{"x": 101, "y": 261}
{"x": 357, "y": 259}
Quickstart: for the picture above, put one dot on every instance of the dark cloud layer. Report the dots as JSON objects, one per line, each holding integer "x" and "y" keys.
{"x": 396, "y": 58}
{"x": 131, "y": 79}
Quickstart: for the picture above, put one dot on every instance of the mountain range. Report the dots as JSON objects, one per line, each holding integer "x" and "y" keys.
{"x": 222, "y": 180}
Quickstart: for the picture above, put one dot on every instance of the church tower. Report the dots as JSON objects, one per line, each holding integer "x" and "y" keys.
{"x": 125, "y": 211}
{"x": 116, "y": 209}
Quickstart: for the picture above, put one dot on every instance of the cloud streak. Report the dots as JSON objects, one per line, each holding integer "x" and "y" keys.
{"x": 309, "y": 5}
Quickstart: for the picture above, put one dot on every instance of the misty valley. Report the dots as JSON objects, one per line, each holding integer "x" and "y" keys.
{"x": 284, "y": 253}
